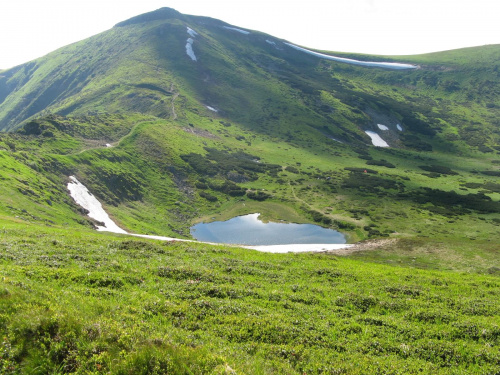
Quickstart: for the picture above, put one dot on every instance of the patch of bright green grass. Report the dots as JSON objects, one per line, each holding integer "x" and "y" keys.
{"x": 94, "y": 302}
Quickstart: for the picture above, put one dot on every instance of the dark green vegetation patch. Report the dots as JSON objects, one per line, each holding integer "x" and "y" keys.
{"x": 454, "y": 201}
{"x": 239, "y": 166}
{"x": 438, "y": 169}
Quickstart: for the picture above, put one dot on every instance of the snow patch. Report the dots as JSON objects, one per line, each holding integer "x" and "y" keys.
{"x": 161, "y": 238}
{"x": 189, "y": 44}
{"x": 212, "y": 109}
{"x": 399, "y": 127}
{"x": 376, "y": 139}
{"x": 333, "y": 139}
{"x": 238, "y": 30}
{"x": 191, "y": 32}
{"x": 84, "y": 198}
{"x": 270, "y": 42}
{"x": 298, "y": 248}
{"x": 189, "y": 49}
{"x": 382, "y": 127}
{"x": 387, "y": 65}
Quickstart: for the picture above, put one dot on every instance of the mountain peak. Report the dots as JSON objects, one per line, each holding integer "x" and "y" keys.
{"x": 159, "y": 14}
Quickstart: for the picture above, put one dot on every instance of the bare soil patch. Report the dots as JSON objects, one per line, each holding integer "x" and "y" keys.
{"x": 367, "y": 245}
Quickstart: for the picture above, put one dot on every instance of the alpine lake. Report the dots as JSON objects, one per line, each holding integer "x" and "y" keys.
{"x": 249, "y": 230}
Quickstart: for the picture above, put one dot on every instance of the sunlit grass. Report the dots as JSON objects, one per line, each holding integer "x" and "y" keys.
{"x": 86, "y": 302}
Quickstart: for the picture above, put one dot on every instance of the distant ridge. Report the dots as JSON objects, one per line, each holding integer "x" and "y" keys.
{"x": 253, "y": 79}
{"x": 159, "y": 14}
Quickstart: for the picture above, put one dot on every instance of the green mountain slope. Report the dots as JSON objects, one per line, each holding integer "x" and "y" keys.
{"x": 141, "y": 63}
{"x": 197, "y": 137}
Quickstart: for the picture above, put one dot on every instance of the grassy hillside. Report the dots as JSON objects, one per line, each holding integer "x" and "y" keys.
{"x": 82, "y": 302}
{"x": 164, "y": 141}
{"x": 161, "y": 175}
{"x": 193, "y": 140}
{"x": 261, "y": 83}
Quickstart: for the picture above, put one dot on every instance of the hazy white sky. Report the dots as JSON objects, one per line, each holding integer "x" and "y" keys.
{"x": 33, "y": 28}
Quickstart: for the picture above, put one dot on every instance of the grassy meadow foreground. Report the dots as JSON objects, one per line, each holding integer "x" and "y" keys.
{"x": 86, "y": 302}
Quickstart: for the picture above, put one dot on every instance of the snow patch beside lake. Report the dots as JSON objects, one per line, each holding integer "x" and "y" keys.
{"x": 277, "y": 249}
{"x": 238, "y": 30}
{"x": 84, "y": 198}
{"x": 387, "y": 65}
{"x": 382, "y": 127}
{"x": 299, "y": 248}
{"x": 212, "y": 109}
{"x": 376, "y": 139}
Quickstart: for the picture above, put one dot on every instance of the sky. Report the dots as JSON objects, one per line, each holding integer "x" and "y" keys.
{"x": 33, "y": 28}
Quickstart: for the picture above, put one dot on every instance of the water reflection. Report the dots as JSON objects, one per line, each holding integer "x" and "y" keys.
{"x": 249, "y": 230}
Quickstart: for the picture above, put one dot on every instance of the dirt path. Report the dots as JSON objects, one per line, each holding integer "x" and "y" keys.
{"x": 297, "y": 198}
{"x": 367, "y": 245}
{"x": 117, "y": 142}
{"x": 174, "y": 114}
{"x": 99, "y": 143}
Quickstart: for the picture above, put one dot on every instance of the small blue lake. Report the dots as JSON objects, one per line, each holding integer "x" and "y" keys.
{"x": 249, "y": 230}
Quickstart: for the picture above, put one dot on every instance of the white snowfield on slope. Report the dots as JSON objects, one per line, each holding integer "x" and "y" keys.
{"x": 84, "y": 198}
{"x": 387, "y": 65}
{"x": 189, "y": 44}
{"x": 376, "y": 139}
{"x": 191, "y": 32}
{"x": 189, "y": 49}
{"x": 236, "y": 29}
